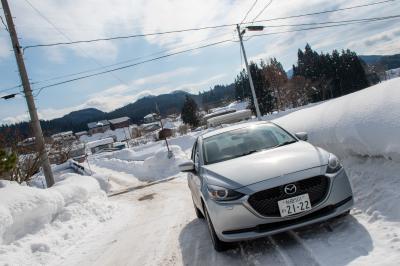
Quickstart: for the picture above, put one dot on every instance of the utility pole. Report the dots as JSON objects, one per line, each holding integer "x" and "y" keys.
{"x": 253, "y": 92}
{"x": 29, "y": 97}
{"x": 162, "y": 130}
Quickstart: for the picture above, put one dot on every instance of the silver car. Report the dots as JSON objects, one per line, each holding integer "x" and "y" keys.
{"x": 256, "y": 179}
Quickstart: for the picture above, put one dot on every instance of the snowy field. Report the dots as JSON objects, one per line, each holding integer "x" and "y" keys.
{"x": 75, "y": 223}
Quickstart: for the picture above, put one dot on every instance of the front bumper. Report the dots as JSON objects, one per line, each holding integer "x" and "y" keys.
{"x": 236, "y": 220}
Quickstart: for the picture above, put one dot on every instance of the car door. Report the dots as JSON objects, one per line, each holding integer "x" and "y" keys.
{"x": 195, "y": 176}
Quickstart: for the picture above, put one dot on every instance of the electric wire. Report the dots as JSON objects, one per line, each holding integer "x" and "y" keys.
{"x": 129, "y": 66}
{"x": 129, "y": 60}
{"x": 197, "y": 48}
{"x": 262, "y": 11}
{"x": 251, "y": 8}
{"x": 202, "y": 28}
{"x": 69, "y": 39}
{"x": 9, "y": 89}
{"x": 320, "y": 27}
{"x": 4, "y": 24}
{"x": 169, "y": 50}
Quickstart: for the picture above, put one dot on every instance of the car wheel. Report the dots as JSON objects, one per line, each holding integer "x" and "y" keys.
{"x": 217, "y": 243}
{"x": 198, "y": 212}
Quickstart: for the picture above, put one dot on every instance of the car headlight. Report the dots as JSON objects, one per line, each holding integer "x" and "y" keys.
{"x": 223, "y": 194}
{"x": 333, "y": 164}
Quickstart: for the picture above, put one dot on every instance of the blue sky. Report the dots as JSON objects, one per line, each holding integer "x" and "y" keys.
{"x": 193, "y": 72}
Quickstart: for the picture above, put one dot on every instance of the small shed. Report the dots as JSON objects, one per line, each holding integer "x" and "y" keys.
{"x": 99, "y": 145}
{"x": 120, "y": 122}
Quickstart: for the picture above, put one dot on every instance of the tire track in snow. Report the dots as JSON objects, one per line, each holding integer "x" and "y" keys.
{"x": 293, "y": 250}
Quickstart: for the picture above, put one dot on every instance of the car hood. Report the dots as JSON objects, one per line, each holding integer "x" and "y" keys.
{"x": 256, "y": 167}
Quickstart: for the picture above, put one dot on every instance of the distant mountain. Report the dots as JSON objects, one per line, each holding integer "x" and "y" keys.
{"x": 167, "y": 104}
{"x": 389, "y": 61}
{"x": 77, "y": 121}
{"x": 83, "y": 115}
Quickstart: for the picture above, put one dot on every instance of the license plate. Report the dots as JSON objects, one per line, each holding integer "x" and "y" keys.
{"x": 294, "y": 205}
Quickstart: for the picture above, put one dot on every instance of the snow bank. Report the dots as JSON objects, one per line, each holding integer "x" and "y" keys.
{"x": 154, "y": 167}
{"x": 363, "y": 129}
{"x": 363, "y": 123}
{"x": 36, "y": 225}
{"x": 26, "y": 209}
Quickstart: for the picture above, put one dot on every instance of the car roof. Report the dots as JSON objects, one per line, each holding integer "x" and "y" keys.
{"x": 233, "y": 127}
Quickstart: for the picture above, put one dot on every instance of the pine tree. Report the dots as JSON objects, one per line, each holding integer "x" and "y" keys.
{"x": 7, "y": 162}
{"x": 190, "y": 112}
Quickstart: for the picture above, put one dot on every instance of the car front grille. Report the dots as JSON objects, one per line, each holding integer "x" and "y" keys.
{"x": 265, "y": 202}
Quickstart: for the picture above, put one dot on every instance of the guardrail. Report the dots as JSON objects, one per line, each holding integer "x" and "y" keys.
{"x": 80, "y": 169}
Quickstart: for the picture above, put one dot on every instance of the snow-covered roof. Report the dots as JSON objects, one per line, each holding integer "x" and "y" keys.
{"x": 219, "y": 112}
{"x": 99, "y": 142}
{"x": 119, "y": 120}
{"x": 62, "y": 134}
{"x": 80, "y": 133}
{"x": 150, "y": 115}
{"x": 98, "y": 124}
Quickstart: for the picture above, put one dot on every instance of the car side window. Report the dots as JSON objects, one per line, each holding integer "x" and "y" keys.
{"x": 193, "y": 151}
{"x": 196, "y": 156}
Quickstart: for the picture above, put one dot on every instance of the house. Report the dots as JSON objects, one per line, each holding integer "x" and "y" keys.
{"x": 147, "y": 128}
{"x": 173, "y": 117}
{"x": 98, "y": 127}
{"x": 100, "y": 145}
{"x": 81, "y": 133}
{"x": 150, "y": 118}
{"x": 134, "y": 131}
{"x": 120, "y": 122}
{"x": 27, "y": 145}
{"x": 63, "y": 137}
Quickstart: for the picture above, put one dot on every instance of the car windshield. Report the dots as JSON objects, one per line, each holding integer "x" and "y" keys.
{"x": 244, "y": 141}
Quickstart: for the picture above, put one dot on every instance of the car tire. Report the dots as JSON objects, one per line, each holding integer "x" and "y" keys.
{"x": 197, "y": 211}
{"x": 219, "y": 245}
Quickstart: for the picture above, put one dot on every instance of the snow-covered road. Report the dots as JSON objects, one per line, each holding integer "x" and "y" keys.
{"x": 159, "y": 227}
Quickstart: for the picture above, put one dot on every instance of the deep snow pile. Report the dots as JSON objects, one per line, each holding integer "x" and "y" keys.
{"x": 363, "y": 123}
{"x": 120, "y": 134}
{"x": 36, "y": 224}
{"x": 153, "y": 167}
{"x": 363, "y": 129}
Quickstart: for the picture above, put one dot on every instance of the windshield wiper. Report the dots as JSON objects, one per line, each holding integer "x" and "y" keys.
{"x": 286, "y": 143}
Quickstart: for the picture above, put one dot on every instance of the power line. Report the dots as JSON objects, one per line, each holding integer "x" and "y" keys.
{"x": 12, "y": 88}
{"x": 66, "y": 37}
{"x": 196, "y": 48}
{"x": 338, "y": 24}
{"x": 128, "y": 60}
{"x": 333, "y": 22}
{"x": 131, "y": 65}
{"x": 202, "y": 28}
{"x": 251, "y": 8}
{"x": 322, "y": 27}
{"x": 4, "y": 24}
{"x": 326, "y": 11}
{"x": 262, "y": 11}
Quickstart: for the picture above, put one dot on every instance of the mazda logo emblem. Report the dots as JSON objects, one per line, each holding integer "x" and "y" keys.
{"x": 290, "y": 189}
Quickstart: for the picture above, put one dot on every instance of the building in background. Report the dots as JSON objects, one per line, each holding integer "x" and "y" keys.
{"x": 120, "y": 122}
{"x": 81, "y": 133}
{"x": 150, "y": 118}
{"x": 100, "y": 145}
{"x": 63, "y": 136}
{"x": 98, "y": 127}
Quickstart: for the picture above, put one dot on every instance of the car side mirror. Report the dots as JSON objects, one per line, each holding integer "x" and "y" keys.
{"x": 302, "y": 136}
{"x": 187, "y": 166}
